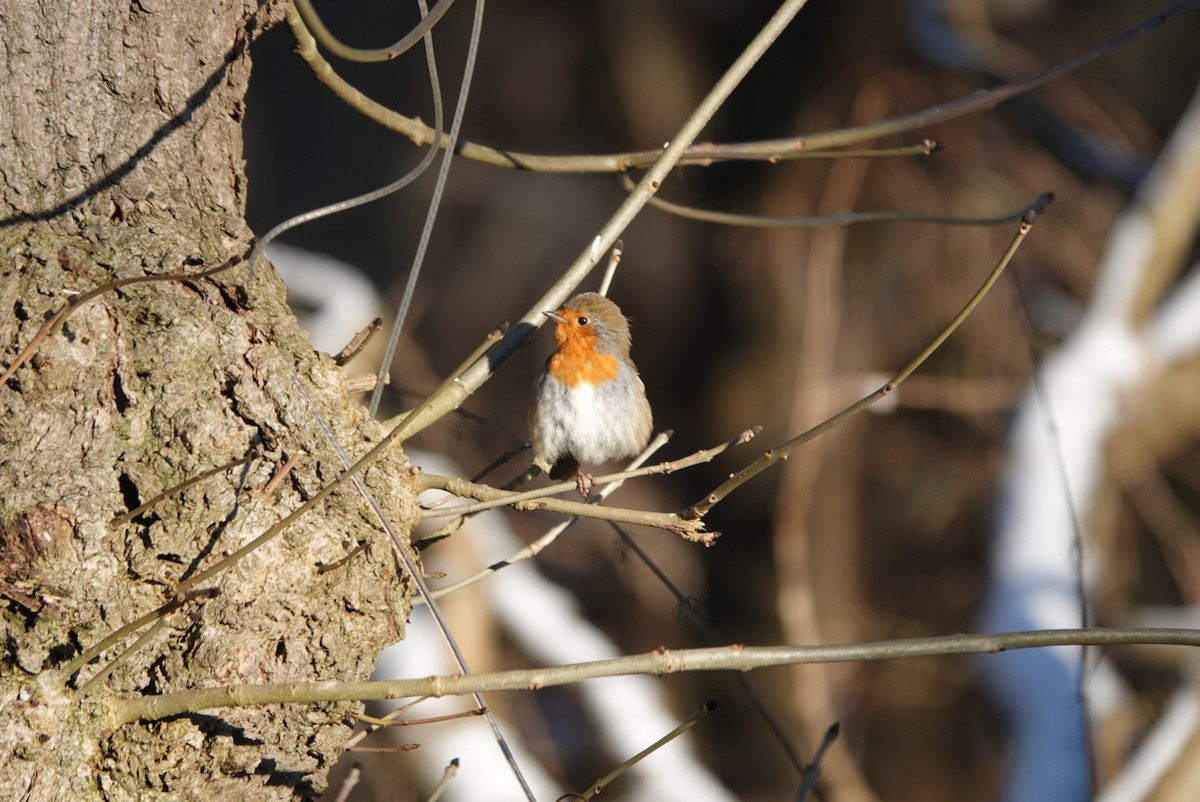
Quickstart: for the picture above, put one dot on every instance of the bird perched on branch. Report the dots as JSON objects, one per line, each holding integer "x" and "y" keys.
{"x": 589, "y": 404}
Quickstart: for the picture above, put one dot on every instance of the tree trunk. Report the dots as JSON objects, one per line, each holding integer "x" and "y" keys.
{"x": 121, "y": 156}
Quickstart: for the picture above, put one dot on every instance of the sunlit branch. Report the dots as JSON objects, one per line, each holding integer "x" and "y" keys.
{"x": 657, "y": 663}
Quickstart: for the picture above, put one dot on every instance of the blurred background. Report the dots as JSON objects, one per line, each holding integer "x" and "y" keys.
{"x": 877, "y": 530}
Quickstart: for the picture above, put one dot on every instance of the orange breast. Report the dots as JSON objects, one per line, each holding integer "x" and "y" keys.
{"x": 577, "y": 361}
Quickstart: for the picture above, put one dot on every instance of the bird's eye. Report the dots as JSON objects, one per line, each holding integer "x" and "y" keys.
{"x": 582, "y": 320}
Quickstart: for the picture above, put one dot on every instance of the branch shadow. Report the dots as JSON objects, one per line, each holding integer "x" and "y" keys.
{"x": 119, "y": 173}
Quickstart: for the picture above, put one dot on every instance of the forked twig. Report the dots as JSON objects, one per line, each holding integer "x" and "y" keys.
{"x": 497, "y": 497}
{"x": 698, "y": 510}
{"x": 537, "y": 546}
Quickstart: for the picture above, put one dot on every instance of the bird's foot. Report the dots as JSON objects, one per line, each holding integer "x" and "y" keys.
{"x": 583, "y": 483}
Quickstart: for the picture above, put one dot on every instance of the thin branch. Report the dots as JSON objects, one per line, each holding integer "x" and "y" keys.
{"x": 813, "y": 772}
{"x": 413, "y": 722}
{"x": 338, "y": 48}
{"x": 703, "y": 154}
{"x": 358, "y": 342}
{"x": 537, "y": 546}
{"x": 498, "y": 497}
{"x": 817, "y": 145}
{"x": 293, "y": 18}
{"x": 126, "y": 631}
{"x": 360, "y": 735}
{"x": 657, "y": 663}
{"x": 843, "y": 218}
{"x": 614, "y": 259}
{"x": 690, "y": 529}
{"x": 404, "y": 555}
{"x": 141, "y": 641}
{"x": 599, "y": 785}
{"x": 121, "y": 520}
{"x": 435, "y": 206}
{"x": 348, "y": 782}
{"x": 474, "y": 377}
{"x": 447, "y": 775}
{"x": 700, "y": 509}
{"x": 450, "y": 527}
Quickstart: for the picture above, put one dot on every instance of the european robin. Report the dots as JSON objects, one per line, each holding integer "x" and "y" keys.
{"x": 589, "y": 404}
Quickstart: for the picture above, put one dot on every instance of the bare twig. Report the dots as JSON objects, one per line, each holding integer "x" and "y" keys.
{"x": 843, "y": 218}
{"x": 813, "y": 772}
{"x": 413, "y": 722}
{"x": 141, "y": 641}
{"x": 358, "y": 342}
{"x": 817, "y": 145}
{"x": 659, "y": 662}
{"x": 614, "y": 259}
{"x": 496, "y": 497}
{"x": 128, "y": 630}
{"x": 358, "y": 736}
{"x": 348, "y": 782}
{"x": 700, "y": 509}
{"x": 335, "y": 45}
{"x": 431, "y": 214}
{"x": 403, "y": 553}
{"x": 599, "y": 785}
{"x": 447, "y": 776}
{"x": 537, "y": 546}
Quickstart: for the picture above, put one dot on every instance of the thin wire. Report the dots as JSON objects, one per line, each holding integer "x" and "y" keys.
{"x": 403, "y": 554}
{"x": 360, "y": 200}
{"x": 710, "y": 634}
{"x": 1052, "y": 432}
{"x": 418, "y": 579}
{"x": 434, "y": 205}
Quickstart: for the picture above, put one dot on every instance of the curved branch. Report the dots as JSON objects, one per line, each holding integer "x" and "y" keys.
{"x": 338, "y": 48}
{"x": 816, "y": 145}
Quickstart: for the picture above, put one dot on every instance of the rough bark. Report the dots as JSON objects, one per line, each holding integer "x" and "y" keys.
{"x": 120, "y": 155}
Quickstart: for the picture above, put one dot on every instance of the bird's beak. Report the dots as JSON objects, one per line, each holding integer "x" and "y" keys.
{"x": 555, "y": 316}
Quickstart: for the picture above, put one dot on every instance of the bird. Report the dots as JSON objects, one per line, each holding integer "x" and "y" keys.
{"x": 589, "y": 404}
